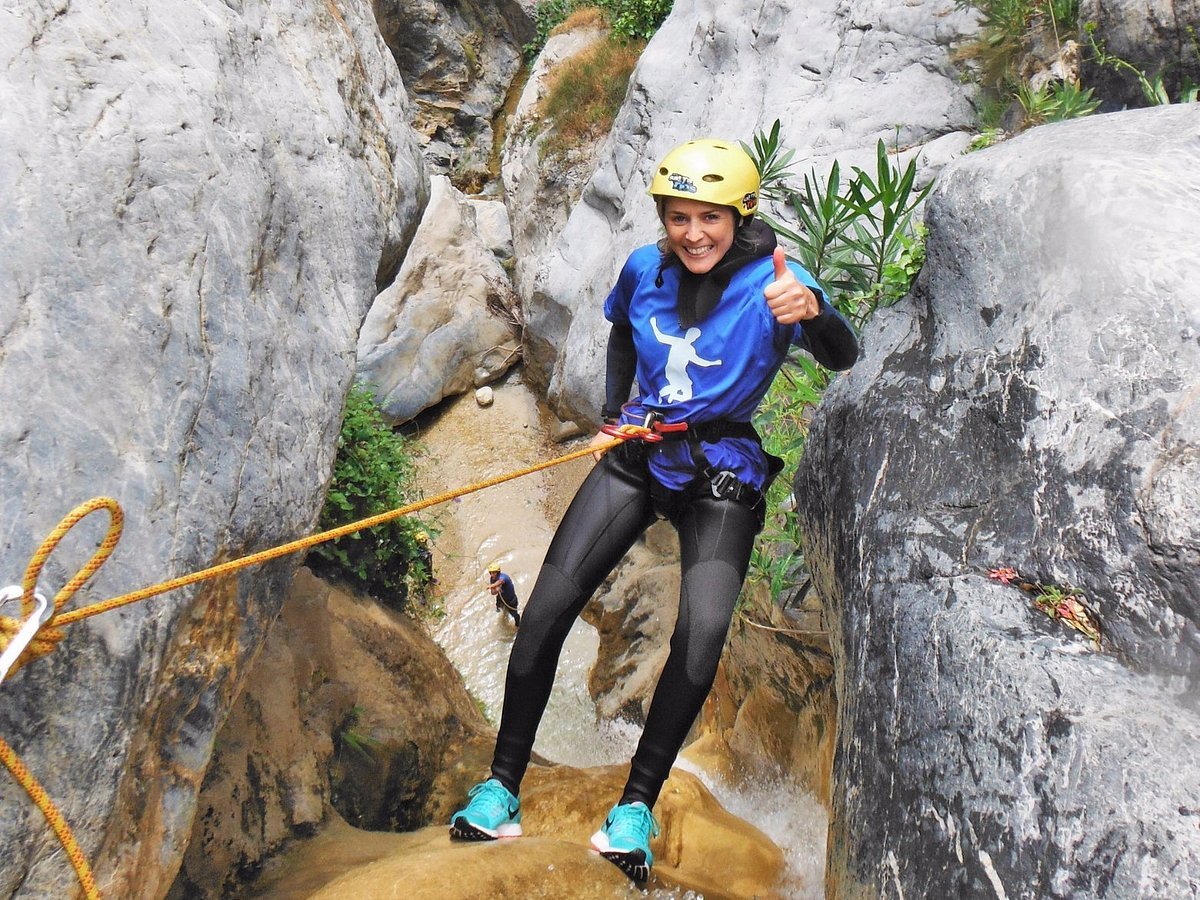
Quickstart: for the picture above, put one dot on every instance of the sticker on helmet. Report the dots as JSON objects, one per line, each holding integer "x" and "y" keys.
{"x": 682, "y": 183}
{"x": 750, "y": 200}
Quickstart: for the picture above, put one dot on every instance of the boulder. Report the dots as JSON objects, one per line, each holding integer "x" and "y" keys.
{"x": 492, "y": 226}
{"x": 1030, "y": 406}
{"x": 449, "y": 321}
{"x": 350, "y": 713}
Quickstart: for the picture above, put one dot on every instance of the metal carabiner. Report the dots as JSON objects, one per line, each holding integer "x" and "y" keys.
{"x": 29, "y": 628}
{"x": 651, "y": 430}
{"x": 631, "y": 432}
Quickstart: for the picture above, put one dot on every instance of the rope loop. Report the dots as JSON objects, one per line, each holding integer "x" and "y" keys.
{"x": 47, "y": 636}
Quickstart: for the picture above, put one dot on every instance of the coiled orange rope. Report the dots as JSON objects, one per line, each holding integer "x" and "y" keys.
{"x": 50, "y": 633}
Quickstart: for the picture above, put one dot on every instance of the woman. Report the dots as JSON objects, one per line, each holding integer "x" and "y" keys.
{"x": 704, "y": 319}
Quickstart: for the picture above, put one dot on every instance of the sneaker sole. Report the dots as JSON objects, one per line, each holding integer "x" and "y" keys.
{"x": 632, "y": 862}
{"x": 464, "y": 830}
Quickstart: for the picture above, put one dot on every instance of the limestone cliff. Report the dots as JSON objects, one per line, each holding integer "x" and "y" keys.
{"x": 199, "y": 202}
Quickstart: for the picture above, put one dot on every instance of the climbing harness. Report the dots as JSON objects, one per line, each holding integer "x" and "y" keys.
{"x": 38, "y": 630}
{"x": 722, "y": 483}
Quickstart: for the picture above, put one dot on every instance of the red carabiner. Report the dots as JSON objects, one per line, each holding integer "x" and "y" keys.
{"x": 631, "y": 432}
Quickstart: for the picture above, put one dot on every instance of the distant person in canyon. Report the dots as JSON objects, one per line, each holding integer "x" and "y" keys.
{"x": 424, "y": 574}
{"x": 501, "y": 586}
{"x": 703, "y": 319}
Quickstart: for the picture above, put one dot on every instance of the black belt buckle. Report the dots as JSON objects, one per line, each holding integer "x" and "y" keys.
{"x": 725, "y": 485}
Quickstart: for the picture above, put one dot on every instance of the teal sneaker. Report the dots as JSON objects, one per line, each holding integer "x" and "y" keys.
{"x": 625, "y": 839}
{"x": 491, "y": 812}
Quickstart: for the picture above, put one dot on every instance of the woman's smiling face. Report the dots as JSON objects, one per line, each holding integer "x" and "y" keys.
{"x": 698, "y": 233}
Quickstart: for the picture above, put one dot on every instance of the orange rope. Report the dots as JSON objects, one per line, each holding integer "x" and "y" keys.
{"x": 50, "y": 633}
{"x": 57, "y": 823}
{"x": 313, "y": 540}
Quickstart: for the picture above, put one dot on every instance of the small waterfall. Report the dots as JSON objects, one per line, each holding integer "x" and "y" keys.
{"x": 786, "y": 813}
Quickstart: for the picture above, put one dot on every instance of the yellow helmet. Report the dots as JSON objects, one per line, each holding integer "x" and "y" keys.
{"x": 494, "y": 567}
{"x": 710, "y": 170}
{"x": 421, "y": 537}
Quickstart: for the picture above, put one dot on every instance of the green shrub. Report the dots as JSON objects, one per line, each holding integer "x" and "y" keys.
{"x": 585, "y": 94}
{"x": 629, "y": 20}
{"x": 1009, "y": 30}
{"x": 1055, "y": 102}
{"x": 373, "y": 473}
{"x": 548, "y": 15}
{"x": 635, "y": 19}
{"x": 859, "y": 239}
{"x": 782, "y": 419}
{"x": 1154, "y": 90}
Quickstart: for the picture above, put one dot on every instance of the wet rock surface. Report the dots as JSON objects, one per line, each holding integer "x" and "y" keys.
{"x": 1032, "y": 404}
{"x": 701, "y": 848}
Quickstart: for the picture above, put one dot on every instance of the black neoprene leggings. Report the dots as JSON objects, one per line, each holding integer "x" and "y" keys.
{"x": 611, "y": 509}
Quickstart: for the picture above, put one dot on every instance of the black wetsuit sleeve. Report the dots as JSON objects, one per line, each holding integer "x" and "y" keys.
{"x": 621, "y": 368}
{"x": 830, "y": 338}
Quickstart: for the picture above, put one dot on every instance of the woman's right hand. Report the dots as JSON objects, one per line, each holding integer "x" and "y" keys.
{"x": 600, "y": 439}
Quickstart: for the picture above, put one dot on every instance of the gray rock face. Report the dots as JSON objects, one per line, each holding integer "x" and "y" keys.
{"x": 1032, "y": 404}
{"x": 347, "y": 705}
{"x": 493, "y": 227}
{"x": 838, "y": 75}
{"x": 1151, "y": 35}
{"x": 448, "y": 322}
{"x": 539, "y": 191}
{"x": 198, "y": 202}
{"x": 458, "y": 60}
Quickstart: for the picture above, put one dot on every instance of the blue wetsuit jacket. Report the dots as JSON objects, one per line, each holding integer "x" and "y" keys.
{"x": 718, "y": 368}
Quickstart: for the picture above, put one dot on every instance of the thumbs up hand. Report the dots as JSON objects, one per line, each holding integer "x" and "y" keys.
{"x": 788, "y": 299}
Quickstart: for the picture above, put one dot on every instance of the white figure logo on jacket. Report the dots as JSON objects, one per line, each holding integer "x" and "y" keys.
{"x": 680, "y": 353}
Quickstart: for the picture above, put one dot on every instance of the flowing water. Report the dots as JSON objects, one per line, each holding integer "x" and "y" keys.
{"x": 512, "y": 523}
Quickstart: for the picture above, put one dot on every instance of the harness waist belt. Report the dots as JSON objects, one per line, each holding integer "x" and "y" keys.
{"x": 707, "y": 431}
